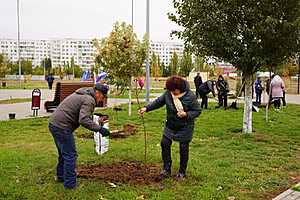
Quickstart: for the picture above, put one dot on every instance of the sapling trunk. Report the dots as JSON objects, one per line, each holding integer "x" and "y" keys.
{"x": 143, "y": 122}
{"x": 129, "y": 97}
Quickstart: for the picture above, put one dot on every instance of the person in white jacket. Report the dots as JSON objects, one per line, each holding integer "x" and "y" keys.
{"x": 277, "y": 88}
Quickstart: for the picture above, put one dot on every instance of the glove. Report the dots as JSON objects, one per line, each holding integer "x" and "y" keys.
{"x": 104, "y": 132}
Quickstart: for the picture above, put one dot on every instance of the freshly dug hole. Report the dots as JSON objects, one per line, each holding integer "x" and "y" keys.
{"x": 133, "y": 173}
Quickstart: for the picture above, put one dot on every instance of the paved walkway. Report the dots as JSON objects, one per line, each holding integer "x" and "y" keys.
{"x": 13, "y": 94}
{"x": 23, "y": 110}
{"x": 289, "y": 195}
{"x": 294, "y": 99}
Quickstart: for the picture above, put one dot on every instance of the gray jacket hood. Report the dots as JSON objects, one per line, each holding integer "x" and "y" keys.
{"x": 86, "y": 91}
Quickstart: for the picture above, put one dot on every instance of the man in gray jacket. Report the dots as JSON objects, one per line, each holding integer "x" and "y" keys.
{"x": 77, "y": 109}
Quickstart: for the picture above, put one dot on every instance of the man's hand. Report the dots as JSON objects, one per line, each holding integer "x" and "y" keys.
{"x": 142, "y": 111}
{"x": 181, "y": 114}
{"x": 104, "y": 132}
{"x": 103, "y": 119}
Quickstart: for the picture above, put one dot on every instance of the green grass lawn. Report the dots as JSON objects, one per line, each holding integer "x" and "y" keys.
{"x": 17, "y": 100}
{"x": 223, "y": 162}
{"x": 24, "y": 85}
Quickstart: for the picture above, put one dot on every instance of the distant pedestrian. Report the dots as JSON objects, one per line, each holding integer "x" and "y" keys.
{"x": 50, "y": 80}
{"x": 204, "y": 90}
{"x": 198, "y": 82}
{"x": 277, "y": 88}
{"x": 258, "y": 90}
{"x": 223, "y": 90}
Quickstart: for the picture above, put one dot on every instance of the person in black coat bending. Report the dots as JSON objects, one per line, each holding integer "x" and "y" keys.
{"x": 223, "y": 89}
{"x": 182, "y": 110}
{"x": 204, "y": 90}
{"x": 198, "y": 82}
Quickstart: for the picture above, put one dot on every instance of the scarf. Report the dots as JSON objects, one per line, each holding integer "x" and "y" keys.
{"x": 177, "y": 102}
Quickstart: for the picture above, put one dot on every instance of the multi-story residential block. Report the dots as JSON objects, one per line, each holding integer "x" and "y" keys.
{"x": 61, "y": 51}
{"x": 165, "y": 50}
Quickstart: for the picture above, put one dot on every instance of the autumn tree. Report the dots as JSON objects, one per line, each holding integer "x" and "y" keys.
{"x": 174, "y": 64}
{"x": 186, "y": 64}
{"x": 3, "y": 66}
{"x": 248, "y": 34}
{"x": 154, "y": 68}
{"x": 122, "y": 55}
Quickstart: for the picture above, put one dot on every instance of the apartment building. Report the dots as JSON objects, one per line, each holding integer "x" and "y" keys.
{"x": 61, "y": 51}
{"x": 165, "y": 50}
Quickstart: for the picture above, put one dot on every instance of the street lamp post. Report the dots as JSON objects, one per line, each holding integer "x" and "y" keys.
{"x": 132, "y": 12}
{"x": 19, "y": 53}
{"x": 298, "y": 74}
{"x": 130, "y": 82}
{"x": 148, "y": 59}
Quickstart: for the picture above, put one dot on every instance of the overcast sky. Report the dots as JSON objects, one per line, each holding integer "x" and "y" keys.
{"x": 46, "y": 19}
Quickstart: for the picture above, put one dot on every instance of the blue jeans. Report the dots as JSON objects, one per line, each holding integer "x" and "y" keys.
{"x": 67, "y": 156}
{"x": 258, "y": 98}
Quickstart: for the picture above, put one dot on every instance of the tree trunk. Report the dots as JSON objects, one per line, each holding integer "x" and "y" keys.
{"x": 247, "y": 126}
{"x": 268, "y": 103}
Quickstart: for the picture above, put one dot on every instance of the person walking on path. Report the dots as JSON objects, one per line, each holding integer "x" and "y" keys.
{"x": 223, "y": 89}
{"x": 204, "y": 90}
{"x": 50, "y": 80}
{"x": 182, "y": 110}
{"x": 198, "y": 82}
{"x": 277, "y": 87}
{"x": 75, "y": 110}
{"x": 258, "y": 90}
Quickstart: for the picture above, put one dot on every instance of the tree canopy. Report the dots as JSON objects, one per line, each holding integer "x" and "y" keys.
{"x": 186, "y": 64}
{"x": 248, "y": 34}
{"x": 174, "y": 64}
{"x": 3, "y": 65}
{"x": 122, "y": 54}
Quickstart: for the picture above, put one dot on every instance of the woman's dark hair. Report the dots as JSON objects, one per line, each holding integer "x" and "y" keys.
{"x": 176, "y": 82}
{"x": 273, "y": 76}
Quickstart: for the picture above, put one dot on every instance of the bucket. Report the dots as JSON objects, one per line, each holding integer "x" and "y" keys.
{"x": 12, "y": 115}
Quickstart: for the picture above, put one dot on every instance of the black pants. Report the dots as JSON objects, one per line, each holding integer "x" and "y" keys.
{"x": 50, "y": 85}
{"x": 166, "y": 154}
{"x": 222, "y": 100}
{"x": 277, "y": 103}
{"x": 204, "y": 101}
{"x": 258, "y": 98}
{"x": 197, "y": 92}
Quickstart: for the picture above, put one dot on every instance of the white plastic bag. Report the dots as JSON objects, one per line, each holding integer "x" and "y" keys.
{"x": 101, "y": 143}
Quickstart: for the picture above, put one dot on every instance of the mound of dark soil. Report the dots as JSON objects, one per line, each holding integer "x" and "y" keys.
{"x": 133, "y": 173}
